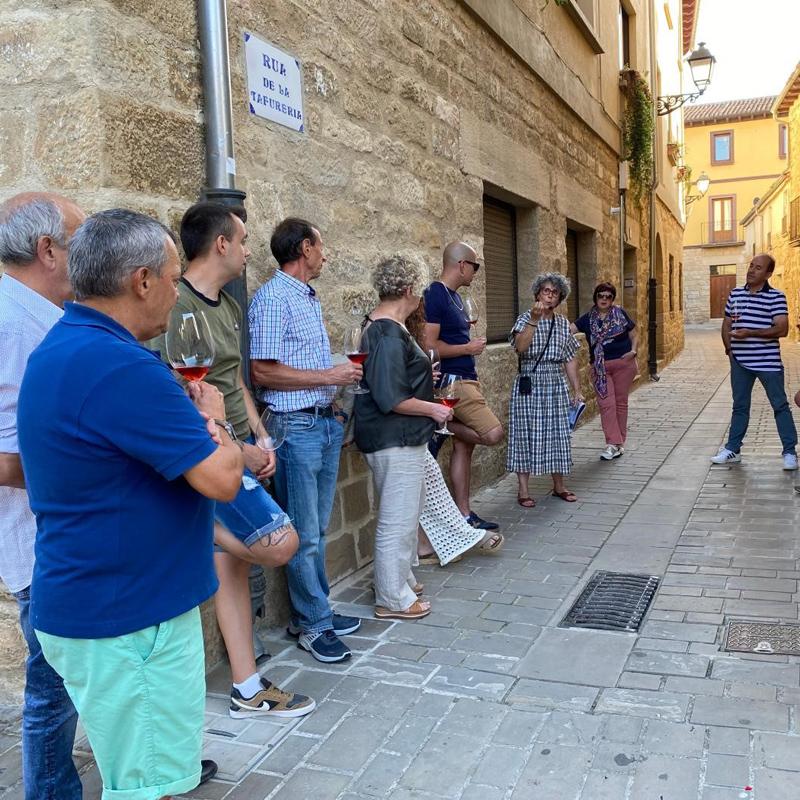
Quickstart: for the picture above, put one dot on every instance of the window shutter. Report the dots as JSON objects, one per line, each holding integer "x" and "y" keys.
{"x": 572, "y": 273}
{"x": 500, "y": 258}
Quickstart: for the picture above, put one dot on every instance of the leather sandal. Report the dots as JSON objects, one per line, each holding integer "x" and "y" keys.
{"x": 526, "y": 502}
{"x": 417, "y": 610}
{"x": 567, "y": 496}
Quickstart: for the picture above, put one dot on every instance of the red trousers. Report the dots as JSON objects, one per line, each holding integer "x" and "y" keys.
{"x": 620, "y": 374}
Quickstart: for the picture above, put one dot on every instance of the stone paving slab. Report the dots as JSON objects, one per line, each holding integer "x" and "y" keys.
{"x": 488, "y": 699}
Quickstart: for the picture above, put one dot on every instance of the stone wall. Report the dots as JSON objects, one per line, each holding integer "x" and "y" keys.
{"x": 413, "y": 111}
{"x": 669, "y": 317}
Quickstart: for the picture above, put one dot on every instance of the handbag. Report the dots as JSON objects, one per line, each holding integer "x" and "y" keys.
{"x": 525, "y": 382}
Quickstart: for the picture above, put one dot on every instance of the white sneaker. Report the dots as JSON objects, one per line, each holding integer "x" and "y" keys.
{"x": 611, "y": 452}
{"x": 725, "y": 456}
{"x": 789, "y": 462}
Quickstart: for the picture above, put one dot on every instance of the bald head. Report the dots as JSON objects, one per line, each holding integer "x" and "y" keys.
{"x": 457, "y": 251}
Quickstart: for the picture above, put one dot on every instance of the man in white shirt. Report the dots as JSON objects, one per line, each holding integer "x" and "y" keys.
{"x": 34, "y": 230}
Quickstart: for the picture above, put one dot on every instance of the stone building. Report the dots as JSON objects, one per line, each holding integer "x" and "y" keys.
{"x": 494, "y": 121}
{"x": 772, "y": 225}
{"x": 742, "y": 149}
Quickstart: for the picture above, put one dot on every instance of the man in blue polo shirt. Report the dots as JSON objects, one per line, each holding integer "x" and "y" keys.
{"x": 121, "y": 468}
{"x": 756, "y": 317}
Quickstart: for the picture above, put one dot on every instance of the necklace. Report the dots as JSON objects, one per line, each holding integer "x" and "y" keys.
{"x": 450, "y": 292}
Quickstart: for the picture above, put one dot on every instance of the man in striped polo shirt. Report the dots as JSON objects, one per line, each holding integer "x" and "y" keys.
{"x": 756, "y": 317}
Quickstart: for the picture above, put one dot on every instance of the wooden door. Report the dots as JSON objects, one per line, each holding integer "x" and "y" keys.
{"x": 719, "y": 288}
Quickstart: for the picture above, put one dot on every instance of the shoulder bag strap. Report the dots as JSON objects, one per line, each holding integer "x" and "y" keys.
{"x": 544, "y": 349}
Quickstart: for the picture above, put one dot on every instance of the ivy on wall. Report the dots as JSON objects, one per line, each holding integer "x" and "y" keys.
{"x": 637, "y": 133}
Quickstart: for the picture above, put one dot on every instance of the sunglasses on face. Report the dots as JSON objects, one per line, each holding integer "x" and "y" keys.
{"x": 474, "y": 264}
{"x": 605, "y": 296}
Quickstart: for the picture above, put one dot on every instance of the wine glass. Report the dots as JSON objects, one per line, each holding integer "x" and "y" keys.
{"x": 190, "y": 348}
{"x": 470, "y": 310}
{"x": 272, "y": 429}
{"x": 355, "y": 348}
{"x": 447, "y": 394}
{"x": 436, "y": 361}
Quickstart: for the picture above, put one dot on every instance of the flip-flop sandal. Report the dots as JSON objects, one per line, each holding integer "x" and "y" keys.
{"x": 431, "y": 559}
{"x": 490, "y": 543}
{"x": 566, "y": 495}
{"x": 417, "y": 610}
{"x": 526, "y": 502}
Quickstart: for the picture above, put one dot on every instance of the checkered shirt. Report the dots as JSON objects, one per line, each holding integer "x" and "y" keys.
{"x": 285, "y": 319}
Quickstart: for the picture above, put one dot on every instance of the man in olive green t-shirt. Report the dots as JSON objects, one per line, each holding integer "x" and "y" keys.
{"x": 253, "y": 529}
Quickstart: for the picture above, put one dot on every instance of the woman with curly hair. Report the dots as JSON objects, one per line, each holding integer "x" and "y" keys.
{"x": 612, "y": 338}
{"x": 393, "y": 424}
{"x": 539, "y": 431}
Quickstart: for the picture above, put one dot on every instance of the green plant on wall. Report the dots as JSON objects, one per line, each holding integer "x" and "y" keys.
{"x": 637, "y": 134}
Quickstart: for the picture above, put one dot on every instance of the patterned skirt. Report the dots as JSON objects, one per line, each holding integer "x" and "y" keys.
{"x": 539, "y": 436}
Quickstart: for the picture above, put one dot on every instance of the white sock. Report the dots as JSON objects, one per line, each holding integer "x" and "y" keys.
{"x": 249, "y": 686}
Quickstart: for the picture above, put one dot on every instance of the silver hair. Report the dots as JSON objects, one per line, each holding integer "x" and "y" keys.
{"x": 110, "y": 246}
{"x": 21, "y": 227}
{"x": 397, "y": 273}
{"x": 558, "y": 281}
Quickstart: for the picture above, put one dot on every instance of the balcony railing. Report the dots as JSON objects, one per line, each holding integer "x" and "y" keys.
{"x": 713, "y": 236}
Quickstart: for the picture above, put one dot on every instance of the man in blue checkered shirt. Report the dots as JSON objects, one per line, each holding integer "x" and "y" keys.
{"x": 291, "y": 367}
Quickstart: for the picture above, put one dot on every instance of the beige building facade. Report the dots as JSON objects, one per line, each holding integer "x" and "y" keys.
{"x": 493, "y": 121}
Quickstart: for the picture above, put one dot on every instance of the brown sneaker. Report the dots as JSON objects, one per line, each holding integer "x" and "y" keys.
{"x": 269, "y": 701}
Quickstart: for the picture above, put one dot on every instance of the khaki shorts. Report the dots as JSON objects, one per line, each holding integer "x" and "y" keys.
{"x": 472, "y": 410}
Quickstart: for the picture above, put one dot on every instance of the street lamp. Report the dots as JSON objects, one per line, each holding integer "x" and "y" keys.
{"x": 701, "y": 65}
{"x": 701, "y": 184}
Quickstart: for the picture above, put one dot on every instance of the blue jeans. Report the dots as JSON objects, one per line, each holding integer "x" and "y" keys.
{"x": 305, "y": 483}
{"x": 742, "y": 381}
{"x": 48, "y": 723}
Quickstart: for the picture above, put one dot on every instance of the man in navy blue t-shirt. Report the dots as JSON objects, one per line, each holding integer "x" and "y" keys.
{"x": 121, "y": 468}
{"x": 447, "y": 331}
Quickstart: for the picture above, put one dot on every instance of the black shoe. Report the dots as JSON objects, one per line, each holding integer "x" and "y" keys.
{"x": 208, "y": 769}
{"x": 482, "y": 524}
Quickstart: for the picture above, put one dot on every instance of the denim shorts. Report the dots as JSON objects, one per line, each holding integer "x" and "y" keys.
{"x": 252, "y": 514}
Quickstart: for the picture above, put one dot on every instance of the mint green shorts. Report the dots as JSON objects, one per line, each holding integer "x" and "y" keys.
{"x": 141, "y": 700}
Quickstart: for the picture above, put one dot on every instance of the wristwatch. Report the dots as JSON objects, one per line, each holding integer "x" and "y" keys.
{"x": 228, "y": 428}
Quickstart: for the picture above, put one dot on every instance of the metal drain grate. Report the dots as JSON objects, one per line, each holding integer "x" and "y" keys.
{"x": 612, "y": 601}
{"x": 763, "y": 637}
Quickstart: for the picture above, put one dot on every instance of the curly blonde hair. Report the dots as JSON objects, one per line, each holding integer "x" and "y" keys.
{"x": 392, "y": 276}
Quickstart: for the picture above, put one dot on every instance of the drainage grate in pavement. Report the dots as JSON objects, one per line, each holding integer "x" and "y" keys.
{"x": 763, "y": 637}
{"x": 612, "y": 601}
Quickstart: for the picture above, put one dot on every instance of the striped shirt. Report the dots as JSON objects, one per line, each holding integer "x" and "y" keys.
{"x": 25, "y": 318}
{"x": 756, "y": 311}
{"x": 285, "y": 319}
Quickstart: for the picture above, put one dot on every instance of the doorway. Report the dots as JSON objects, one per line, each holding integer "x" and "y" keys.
{"x": 721, "y": 280}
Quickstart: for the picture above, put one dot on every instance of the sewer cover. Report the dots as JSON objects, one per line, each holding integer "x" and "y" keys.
{"x": 763, "y": 637}
{"x": 612, "y": 601}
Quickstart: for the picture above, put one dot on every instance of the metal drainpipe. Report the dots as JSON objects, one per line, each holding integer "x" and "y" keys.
{"x": 652, "y": 284}
{"x": 221, "y": 188}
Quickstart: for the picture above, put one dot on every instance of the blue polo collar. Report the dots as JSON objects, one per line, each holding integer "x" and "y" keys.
{"x": 84, "y": 316}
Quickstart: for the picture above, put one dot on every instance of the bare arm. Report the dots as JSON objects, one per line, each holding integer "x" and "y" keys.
{"x": 284, "y": 378}
{"x": 574, "y": 378}
{"x": 261, "y": 463}
{"x": 422, "y": 408}
{"x": 726, "y": 334}
{"x": 523, "y": 339}
{"x": 634, "y": 334}
{"x": 11, "y": 471}
{"x": 474, "y": 347}
{"x": 778, "y": 329}
{"x": 218, "y": 476}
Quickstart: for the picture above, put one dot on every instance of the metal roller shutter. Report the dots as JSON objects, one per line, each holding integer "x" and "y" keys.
{"x": 571, "y": 310}
{"x": 500, "y": 257}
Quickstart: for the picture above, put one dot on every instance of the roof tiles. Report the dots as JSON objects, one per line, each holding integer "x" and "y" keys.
{"x": 729, "y": 110}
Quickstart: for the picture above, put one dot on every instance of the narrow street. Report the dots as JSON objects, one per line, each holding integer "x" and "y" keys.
{"x": 487, "y": 698}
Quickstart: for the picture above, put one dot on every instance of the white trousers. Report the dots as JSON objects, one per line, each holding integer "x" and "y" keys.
{"x": 399, "y": 477}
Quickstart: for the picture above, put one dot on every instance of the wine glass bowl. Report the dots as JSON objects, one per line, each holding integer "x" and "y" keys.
{"x": 446, "y": 392}
{"x": 355, "y": 348}
{"x": 272, "y": 430}
{"x": 189, "y": 345}
{"x": 471, "y": 311}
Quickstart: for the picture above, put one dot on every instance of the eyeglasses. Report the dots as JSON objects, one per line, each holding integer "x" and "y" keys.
{"x": 605, "y": 296}
{"x": 474, "y": 264}
{"x": 550, "y": 290}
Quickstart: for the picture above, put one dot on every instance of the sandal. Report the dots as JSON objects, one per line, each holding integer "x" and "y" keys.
{"x": 490, "y": 543}
{"x": 526, "y": 502}
{"x": 567, "y": 496}
{"x": 419, "y": 609}
{"x": 431, "y": 559}
{"x": 418, "y": 589}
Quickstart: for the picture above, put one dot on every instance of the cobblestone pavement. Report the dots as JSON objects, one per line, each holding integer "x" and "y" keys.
{"x": 487, "y": 698}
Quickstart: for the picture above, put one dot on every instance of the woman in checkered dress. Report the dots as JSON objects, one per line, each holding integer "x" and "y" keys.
{"x": 539, "y": 435}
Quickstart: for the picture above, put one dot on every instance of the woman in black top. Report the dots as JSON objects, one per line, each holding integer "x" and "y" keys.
{"x": 392, "y": 427}
{"x": 612, "y": 338}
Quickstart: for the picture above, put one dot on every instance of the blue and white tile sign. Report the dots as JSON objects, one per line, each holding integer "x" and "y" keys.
{"x": 274, "y": 85}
